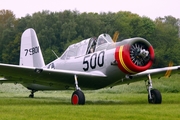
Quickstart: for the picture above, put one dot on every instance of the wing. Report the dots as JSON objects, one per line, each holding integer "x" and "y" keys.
{"x": 23, "y": 75}
{"x": 157, "y": 73}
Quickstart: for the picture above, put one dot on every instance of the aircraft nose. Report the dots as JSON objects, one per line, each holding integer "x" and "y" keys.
{"x": 135, "y": 56}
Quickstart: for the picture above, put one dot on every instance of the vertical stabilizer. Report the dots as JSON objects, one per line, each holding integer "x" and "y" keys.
{"x": 30, "y": 51}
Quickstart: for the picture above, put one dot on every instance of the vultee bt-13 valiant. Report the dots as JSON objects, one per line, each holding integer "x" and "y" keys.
{"x": 93, "y": 63}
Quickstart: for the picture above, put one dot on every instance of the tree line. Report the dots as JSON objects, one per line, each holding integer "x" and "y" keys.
{"x": 57, "y": 30}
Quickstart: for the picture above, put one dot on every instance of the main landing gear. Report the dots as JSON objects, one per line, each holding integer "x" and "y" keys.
{"x": 154, "y": 96}
{"x": 78, "y": 97}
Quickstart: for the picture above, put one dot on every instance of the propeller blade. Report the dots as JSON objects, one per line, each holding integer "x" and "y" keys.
{"x": 168, "y": 72}
{"x": 115, "y": 36}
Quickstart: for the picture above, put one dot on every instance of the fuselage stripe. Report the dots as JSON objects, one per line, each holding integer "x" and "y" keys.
{"x": 122, "y": 61}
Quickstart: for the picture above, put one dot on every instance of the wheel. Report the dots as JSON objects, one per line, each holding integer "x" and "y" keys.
{"x": 156, "y": 97}
{"x": 78, "y": 98}
{"x": 31, "y": 96}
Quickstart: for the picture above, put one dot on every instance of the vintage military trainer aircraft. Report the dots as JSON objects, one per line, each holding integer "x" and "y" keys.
{"x": 93, "y": 63}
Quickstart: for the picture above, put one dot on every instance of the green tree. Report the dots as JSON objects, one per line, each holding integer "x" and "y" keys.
{"x": 11, "y": 51}
{"x": 7, "y": 24}
{"x": 167, "y": 42}
{"x": 122, "y": 24}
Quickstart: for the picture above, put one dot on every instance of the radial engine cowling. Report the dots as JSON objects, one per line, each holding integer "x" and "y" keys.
{"x": 134, "y": 55}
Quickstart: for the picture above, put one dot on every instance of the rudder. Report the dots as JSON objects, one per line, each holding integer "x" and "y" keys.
{"x": 30, "y": 51}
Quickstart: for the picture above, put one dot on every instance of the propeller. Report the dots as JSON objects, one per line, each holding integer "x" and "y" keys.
{"x": 115, "y": 36}
{"x": 168, "y": 72}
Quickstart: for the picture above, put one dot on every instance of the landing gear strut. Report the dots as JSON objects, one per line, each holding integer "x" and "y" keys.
{"x": 154, "y": 96}
{"x": 32, "y": 94}
{"x": 78, "y": 97}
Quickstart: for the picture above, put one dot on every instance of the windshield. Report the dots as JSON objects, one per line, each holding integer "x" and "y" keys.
{"x": 104, "y": 38}
{"x": 108, "y": 38}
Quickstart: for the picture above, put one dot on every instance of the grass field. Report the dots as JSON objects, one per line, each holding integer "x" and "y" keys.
{"x": 120, "y": 102}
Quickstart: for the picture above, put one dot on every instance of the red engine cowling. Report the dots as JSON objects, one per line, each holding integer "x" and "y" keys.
{"x": 136, "y": 55}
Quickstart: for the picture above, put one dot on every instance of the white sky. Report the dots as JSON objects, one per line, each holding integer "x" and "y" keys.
{"x": 149, "y": 8}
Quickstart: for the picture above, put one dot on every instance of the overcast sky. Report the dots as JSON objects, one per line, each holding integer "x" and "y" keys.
{"x": 149, "y": 8}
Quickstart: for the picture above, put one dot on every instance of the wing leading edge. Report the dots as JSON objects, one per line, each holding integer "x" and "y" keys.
{"x": 158, "y": 72}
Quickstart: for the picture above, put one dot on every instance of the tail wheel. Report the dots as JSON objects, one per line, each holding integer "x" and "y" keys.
{"x": 78, "y": 98}
{"x": 156, "y": 97}
{"x": 31, "y": 96}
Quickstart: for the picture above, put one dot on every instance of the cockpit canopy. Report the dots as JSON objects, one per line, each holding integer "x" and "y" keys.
{"x": 87, "y": 46}
{"x": 103, "y": 41}
{"x": 104, "y": 38}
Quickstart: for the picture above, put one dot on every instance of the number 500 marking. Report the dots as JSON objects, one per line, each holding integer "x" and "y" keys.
{"x": 99, "y": 59}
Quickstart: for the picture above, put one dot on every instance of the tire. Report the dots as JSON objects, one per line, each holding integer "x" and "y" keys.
{"x": 78, "y": 98}
{"x": 156, "y": 97}
{"x": 31, "y": 96}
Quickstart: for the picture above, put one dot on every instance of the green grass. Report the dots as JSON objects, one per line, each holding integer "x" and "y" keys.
{"x": 121, "y": 102}
{"x": 107, "y": 106}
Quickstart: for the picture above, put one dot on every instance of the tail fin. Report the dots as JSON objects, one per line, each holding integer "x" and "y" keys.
{"x": 30, "y": 52}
